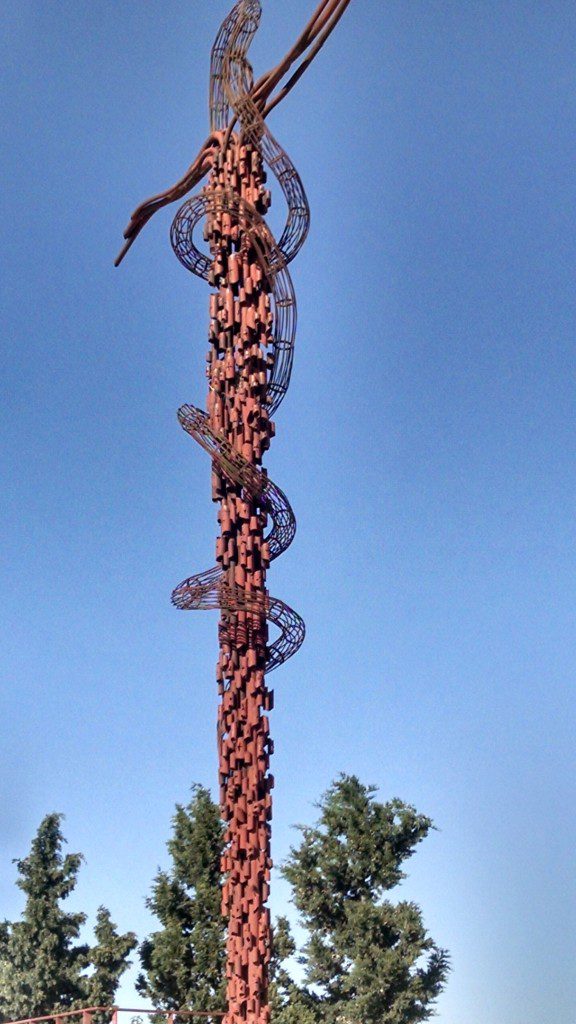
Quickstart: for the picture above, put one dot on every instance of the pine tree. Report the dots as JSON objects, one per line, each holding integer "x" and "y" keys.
{"x": 183, "y": 962}
{"x": 289, "y": 1002}
{"x": 43, "y": 966}
{"x": 42, "y": 963}
{"x": 366, "y": 959}
{"x": 109, "y": 960}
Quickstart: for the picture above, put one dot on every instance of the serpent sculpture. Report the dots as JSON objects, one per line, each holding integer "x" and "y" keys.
{"x": 252, "y": 333}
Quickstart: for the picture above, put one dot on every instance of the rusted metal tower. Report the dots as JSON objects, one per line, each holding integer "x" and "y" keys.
{"x": 252, "y": 331}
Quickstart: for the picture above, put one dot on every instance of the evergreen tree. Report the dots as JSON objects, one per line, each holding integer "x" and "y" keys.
{"x": 289, "y": 1002}
{"x": 366, "y": 959}
{"x": 183, "y": 962}
{"x": 43, "y": 966}
{"x": 109, "y": 959}
{"x": 42, "y": 963}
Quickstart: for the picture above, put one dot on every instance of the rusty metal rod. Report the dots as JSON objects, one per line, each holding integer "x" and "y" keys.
{"x": 314, "y": 35}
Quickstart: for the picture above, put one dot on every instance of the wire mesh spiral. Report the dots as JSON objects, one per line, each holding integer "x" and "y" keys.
{"x": 231, "y": 81}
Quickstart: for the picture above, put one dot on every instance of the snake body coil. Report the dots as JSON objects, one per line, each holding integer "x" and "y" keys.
{"x": 230, "y": 102}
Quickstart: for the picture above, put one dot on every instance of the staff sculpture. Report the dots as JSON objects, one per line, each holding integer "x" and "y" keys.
{"x": 252, "y": 331}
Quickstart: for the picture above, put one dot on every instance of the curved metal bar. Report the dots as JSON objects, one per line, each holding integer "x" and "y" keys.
{"x": 142, "y": 214}
{"x": 239, "y": 27}
{"x": 271, "y": 260}
{"x": 236, "y": 78}
{"x": 237, "y": 30}
{"x": 255, "y": 482}
{"x": 207, "y": 590}
{"x": 308, "y": 45}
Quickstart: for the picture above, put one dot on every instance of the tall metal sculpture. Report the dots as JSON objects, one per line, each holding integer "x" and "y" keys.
{"x": 252, "y": 331}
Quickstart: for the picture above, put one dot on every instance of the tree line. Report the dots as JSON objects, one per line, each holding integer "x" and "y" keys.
{"x": 364, "y": 958}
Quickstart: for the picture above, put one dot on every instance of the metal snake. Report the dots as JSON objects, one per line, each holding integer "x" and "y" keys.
{"x": 231, "y": 102}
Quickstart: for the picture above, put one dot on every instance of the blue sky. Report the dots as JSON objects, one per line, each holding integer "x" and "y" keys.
{"x": 427, "y": 445}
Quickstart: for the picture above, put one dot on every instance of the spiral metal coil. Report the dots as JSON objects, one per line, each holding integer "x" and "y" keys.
{"x": 230, "y": 94}
{"x": 208, "y": 590}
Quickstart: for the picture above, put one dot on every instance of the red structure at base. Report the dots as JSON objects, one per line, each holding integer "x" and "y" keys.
{"x": 240, "y": 335}
{"x": 118, "y": 1015}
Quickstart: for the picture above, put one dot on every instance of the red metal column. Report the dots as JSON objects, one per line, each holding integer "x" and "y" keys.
{"x": 240, "y": 332}
{"x": 252, "y": 333}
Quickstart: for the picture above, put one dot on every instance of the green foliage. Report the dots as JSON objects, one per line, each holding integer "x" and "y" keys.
{"x": 288, "y": 1002}
{"x": 43, "y": 967}
{"x": 109, "y": 959}
{"x": 183, "y": 962}
{"x": 366, "y": 959}
{"x": 42, "y": 962}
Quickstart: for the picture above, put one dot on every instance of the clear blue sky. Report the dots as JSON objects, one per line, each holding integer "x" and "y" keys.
{"x": 427, "y": 445}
